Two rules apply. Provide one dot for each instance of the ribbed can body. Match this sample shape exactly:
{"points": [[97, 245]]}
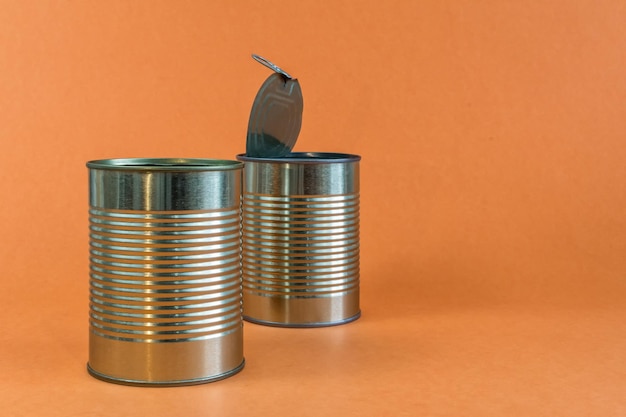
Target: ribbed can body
{"points": [[165, 270], [300, 217]]}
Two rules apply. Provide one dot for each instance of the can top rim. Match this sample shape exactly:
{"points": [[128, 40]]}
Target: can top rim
{"points": [[164, 164], [304, 158]]}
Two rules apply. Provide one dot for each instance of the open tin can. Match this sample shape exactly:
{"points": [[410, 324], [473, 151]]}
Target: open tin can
{"points": [[165, 270], [300, 216]]}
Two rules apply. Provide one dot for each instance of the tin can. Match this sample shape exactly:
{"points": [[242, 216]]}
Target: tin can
{"points": [[165, 269], [300, 217]]}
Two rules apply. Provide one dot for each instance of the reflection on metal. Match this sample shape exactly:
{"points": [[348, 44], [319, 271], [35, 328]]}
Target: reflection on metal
{"points": [[301, 239], [165, 287]]}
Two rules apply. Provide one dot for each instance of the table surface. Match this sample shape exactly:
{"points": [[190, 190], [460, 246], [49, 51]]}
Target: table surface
{"points": [[399, 358]]}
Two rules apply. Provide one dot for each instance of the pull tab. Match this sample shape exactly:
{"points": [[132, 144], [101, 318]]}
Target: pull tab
{"points": [[271, 66]]}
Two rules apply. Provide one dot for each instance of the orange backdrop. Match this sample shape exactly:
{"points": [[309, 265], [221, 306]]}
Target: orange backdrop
{"points": [[493, 194]]}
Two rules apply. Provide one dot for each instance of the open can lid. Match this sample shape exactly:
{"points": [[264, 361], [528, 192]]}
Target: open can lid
{"points": [[276, 115]]}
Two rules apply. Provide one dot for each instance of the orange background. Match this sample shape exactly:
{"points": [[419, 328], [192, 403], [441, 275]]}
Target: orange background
{"points": [[493, 195]]}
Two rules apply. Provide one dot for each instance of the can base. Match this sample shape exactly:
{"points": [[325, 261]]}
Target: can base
{"points": [[136, 383], [300, 311], [302, 325]]}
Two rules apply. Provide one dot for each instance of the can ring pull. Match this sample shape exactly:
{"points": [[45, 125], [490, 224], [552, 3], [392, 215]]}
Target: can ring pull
{"points": [[271, 66]]}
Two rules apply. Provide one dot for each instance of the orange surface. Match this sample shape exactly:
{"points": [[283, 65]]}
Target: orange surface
{"points": [[493, 196]]}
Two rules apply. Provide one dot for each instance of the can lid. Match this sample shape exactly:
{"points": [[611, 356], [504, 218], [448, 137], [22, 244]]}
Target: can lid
{"points": [[164, 164], [276, 115]]}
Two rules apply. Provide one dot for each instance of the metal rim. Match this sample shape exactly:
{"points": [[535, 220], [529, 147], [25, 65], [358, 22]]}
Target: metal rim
{"points": [[305, 157], [164, 164], [184, 382], [302, 325]]}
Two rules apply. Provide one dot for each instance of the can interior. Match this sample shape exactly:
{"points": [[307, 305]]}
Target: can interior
{"points": [[303, 157]]}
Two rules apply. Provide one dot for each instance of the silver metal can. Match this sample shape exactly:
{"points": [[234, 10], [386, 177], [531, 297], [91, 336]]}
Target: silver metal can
{"points": [[300, 217], [165, 268]]}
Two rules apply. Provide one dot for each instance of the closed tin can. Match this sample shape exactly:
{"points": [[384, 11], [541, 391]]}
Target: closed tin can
{"points": [[165, 269], [300, 217]]}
